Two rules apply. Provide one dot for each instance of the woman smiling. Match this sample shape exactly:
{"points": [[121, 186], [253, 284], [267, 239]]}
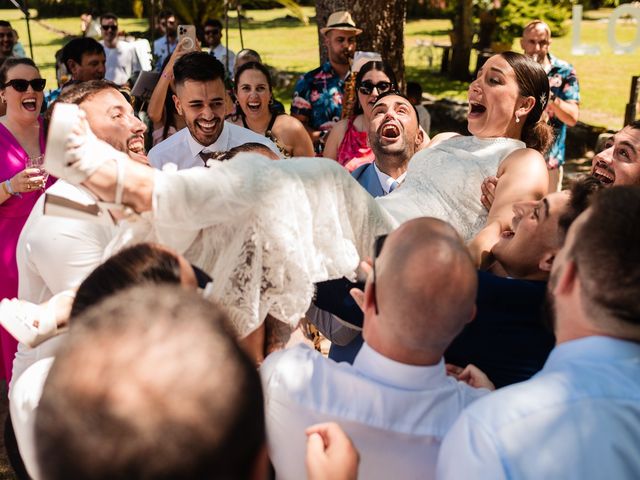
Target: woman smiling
{"points": [[21, 143]]}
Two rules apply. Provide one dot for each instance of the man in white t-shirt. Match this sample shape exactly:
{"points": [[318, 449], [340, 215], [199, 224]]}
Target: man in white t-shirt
{"points": [[212, 39], [122, 59], [56, 253], [200, 99]]}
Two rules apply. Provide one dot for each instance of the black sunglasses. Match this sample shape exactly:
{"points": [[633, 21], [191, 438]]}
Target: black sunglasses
{"points": [[367, 87], [377, 248], [21, 85], [113, 28], [211, 32]]}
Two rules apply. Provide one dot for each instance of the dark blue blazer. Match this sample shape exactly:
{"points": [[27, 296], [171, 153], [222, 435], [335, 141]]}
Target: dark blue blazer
{"points": [[366, 176]]}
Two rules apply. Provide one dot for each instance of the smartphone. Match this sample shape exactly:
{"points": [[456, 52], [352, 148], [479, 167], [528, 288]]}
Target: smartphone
{"points": [[188, 32]]}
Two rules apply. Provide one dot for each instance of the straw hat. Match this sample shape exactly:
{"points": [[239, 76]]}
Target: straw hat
{"points": [[341, 20]]}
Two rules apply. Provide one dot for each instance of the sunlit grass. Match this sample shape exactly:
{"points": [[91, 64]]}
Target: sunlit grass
{"points": [[288, 45]]}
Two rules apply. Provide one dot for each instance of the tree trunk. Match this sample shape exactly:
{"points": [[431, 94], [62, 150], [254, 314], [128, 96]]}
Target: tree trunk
{"points": [[462, 40], [382, 24]]}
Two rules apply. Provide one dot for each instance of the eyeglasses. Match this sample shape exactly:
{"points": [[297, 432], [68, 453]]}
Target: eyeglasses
{"points": [[212, 32], [6, 34], [113, 28], [21, 85], [367, 87], [377, 248]]}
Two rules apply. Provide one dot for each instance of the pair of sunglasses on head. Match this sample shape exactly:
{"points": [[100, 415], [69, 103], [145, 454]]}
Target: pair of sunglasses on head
{"points": [[367, 87], [21, 85]]}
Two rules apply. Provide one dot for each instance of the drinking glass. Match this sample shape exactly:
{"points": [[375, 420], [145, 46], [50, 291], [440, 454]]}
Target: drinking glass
{"points": [[38, 162]]}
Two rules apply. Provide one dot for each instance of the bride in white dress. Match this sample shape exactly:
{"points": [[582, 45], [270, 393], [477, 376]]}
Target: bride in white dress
{"points": [[267, 231]]}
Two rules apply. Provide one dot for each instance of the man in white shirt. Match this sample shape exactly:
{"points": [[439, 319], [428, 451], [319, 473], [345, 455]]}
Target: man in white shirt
{"points": [[122, 59], [212, 39], [56, 253], [396, 401], [200, 99], [578, 417]]}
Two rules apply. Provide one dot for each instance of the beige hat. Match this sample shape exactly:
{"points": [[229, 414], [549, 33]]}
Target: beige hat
{"points": [[340, 20]]}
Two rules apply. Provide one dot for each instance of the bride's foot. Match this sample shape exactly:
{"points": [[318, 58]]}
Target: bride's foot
{"points": [[74, 153]]}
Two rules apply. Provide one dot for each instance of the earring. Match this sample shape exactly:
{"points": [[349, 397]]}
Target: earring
{"points": [[517, 118], [271, 101]]}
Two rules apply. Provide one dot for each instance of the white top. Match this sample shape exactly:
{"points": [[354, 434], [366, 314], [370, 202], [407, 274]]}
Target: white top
{"points": [[221, 53], [183, 151], [386, 181], [444, 182], [24, 399], [576, 419], [396, 414], [122, 62]]}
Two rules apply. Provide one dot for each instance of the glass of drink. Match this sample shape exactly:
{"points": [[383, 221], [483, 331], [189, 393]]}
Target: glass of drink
{"points": [[38, 162]]}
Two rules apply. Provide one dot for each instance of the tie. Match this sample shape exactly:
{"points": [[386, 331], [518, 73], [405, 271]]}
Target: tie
{"points": [[206, 156], [393, 186]]}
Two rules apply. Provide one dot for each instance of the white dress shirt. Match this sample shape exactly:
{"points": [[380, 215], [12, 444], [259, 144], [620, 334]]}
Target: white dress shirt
{"points": [[221, 53], [183, 151], [578, 418], [396, 414], [122, 62], [386, 181]]}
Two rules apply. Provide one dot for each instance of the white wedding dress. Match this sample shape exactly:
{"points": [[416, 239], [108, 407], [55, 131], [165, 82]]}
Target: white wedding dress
{"points": [[267, 231]]}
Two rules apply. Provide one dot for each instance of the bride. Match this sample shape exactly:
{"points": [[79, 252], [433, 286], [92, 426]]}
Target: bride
{"points": [[267, 231]]}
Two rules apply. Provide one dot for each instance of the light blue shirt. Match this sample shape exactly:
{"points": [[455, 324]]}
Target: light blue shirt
{"points": [[578, 418], [396, 414]]}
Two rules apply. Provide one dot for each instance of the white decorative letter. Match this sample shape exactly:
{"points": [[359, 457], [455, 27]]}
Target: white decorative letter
{"points": [[576, 47], [621, 11]]}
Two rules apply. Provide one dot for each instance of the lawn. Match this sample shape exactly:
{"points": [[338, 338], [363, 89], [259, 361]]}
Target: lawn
{"points": [[290, 46]]}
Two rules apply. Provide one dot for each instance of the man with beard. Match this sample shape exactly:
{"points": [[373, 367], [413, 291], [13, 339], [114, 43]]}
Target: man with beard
{"points": [[577, 418], [200, 99], [55, 253], [317, 98]]}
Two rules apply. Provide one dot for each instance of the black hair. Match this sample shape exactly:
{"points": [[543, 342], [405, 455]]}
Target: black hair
{"points": [[76, 48], [414, 89], [198, 66], [398, 94], [4, 23], [252, 66], [109, 16], [366, 68], [213, 23]]}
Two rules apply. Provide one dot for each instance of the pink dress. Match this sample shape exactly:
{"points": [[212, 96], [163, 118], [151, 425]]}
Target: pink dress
{"points": [[354, 150], [13, 214]]}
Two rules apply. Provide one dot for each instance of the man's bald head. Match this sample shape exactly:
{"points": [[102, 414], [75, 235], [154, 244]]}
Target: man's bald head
{"points": [[425, 291]]}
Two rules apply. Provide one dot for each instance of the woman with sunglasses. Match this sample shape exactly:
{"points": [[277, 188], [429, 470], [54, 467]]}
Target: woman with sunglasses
{"points": [[254, 96], [347, 143], [21, 138]]}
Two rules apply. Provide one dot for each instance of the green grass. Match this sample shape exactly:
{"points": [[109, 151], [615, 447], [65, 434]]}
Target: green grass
{"points": [[288, 45]]}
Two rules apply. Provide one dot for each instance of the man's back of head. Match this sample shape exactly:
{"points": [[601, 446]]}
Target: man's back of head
{"points": [[425, 289], [151, 384], [604, 246]]}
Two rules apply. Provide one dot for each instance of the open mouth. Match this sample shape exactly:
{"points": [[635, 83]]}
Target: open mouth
{"points": [[476, 108], [136, 144], [390, 131], [508, 234], [253, 106], [207, 126], [29, 104], [602, 172]]}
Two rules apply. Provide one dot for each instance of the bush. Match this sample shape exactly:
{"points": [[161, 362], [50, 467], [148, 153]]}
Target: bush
{"points": [[515, 14], [73, 8]]}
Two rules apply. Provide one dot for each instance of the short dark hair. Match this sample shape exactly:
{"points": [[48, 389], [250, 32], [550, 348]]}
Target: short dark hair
{"points": [[248, 147], [151, 384], [5, 24], [606, 252], [138, 264], [213, 22], [581, 191], [414, 89], [198, 66], [108, 16], [11, 62], [76, 48], [166, 14], [398, 94], [635, 125], [252, 66]]}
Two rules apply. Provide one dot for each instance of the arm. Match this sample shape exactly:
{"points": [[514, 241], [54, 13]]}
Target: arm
{"points": [[302, 146], [566, 111], [155, 109], [19, 184], [334, 139], [522, 176]]}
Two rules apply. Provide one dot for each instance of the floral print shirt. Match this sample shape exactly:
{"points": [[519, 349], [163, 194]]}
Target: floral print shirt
{"points": [[318, 97], [563, 83]]}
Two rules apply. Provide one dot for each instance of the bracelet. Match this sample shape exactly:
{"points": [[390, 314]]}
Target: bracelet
{"points": [[168, 76], [8, 189]]}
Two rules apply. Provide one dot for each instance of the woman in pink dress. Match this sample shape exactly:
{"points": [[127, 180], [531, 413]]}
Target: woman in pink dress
{"points": [[347, 143], [21, 138]]}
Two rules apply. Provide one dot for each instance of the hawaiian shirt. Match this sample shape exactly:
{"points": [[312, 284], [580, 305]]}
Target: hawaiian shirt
{"points": [[318, 97], [563, 83]]}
